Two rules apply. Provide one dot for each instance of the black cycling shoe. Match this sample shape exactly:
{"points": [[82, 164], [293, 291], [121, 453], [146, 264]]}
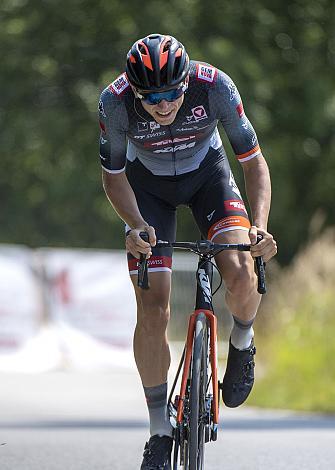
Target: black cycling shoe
{"points": [[239, 377], [157, 453]]}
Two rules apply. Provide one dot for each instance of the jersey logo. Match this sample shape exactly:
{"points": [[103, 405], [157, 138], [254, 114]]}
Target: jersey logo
{"points": [[198, 113], [145, 126], [142, 126], [171, 141], [154, 125], [206, 73], [234, 205], [210, 216], [119, 85], [175, 148], [102, 126], [232, 91], [233, 185], [101, 109], [240, 110]]}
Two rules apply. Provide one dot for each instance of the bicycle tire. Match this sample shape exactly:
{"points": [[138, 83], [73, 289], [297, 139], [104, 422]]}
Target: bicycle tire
{"points": [[198, 387], [176, 449]]}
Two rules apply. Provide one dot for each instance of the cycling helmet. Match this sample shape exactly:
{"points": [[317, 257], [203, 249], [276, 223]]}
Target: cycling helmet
{"points": [[157, 63]]}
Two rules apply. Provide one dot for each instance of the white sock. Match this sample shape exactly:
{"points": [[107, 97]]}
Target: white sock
{"points": [[242, 333], [158, 413]]}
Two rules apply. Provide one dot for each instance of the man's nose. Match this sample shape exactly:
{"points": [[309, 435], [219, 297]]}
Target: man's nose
{"points": [[163, 105]]}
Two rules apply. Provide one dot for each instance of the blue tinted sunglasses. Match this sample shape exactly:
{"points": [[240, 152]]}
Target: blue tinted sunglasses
{"points": [[170, 95]]}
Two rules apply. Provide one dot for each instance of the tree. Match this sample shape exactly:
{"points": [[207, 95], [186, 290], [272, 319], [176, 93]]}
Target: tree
{"points": [[57, 56]]}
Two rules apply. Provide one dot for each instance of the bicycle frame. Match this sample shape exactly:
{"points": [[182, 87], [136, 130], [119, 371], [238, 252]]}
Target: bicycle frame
{"points": [[203, 312], [203, 305]]}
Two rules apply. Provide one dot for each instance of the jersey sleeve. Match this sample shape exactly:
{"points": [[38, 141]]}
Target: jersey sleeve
{"points": [[228, 105], [113, 123]]}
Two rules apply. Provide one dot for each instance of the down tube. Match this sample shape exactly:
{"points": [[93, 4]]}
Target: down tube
{"points": [[204, 302], [204, 285]]}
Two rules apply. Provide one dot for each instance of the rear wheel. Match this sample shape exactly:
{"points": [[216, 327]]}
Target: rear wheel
{"points": [[176, 449], [198, 386]]}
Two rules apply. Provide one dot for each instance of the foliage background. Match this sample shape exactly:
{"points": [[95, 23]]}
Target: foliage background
{"points": [[57, 56]]}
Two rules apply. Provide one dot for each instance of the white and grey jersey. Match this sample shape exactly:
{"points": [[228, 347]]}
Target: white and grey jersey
{"points": [[129, 132]]}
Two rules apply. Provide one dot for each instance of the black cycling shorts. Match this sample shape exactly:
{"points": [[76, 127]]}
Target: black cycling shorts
{"points": [[210, 192]]}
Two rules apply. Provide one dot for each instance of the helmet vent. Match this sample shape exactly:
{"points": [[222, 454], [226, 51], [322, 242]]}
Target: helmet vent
{"points": [[167, 46]]}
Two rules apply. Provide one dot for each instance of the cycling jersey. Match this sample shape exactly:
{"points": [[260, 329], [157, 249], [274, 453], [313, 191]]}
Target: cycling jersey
{"points": [[129, 132], [210, 191], [183, 163]]}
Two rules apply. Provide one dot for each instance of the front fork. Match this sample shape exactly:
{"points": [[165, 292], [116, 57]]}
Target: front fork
{"points": [[179, 410]]}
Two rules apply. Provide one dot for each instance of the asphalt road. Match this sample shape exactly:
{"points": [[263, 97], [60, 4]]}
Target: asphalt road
{"points": [[98, 421]]}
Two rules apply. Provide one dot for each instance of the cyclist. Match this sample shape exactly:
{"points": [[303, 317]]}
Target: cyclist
{"points": [[160, 148]]}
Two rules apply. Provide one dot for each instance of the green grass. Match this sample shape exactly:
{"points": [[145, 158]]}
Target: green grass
{"points": [[296, 352]]}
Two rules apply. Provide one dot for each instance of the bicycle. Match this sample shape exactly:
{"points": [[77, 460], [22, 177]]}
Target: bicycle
{"points": [[194, 413]]}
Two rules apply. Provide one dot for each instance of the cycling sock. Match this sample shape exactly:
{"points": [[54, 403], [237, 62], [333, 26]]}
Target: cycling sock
{"points": [[158, 413], [242, 333]]}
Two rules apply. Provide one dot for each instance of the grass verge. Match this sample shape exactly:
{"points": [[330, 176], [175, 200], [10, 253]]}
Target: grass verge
{"points": [[296, 350]]}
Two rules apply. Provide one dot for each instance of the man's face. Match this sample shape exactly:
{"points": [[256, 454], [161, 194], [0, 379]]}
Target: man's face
{"points": [[164, 112]]}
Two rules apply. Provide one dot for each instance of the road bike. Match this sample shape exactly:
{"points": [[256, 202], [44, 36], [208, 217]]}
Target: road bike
{"points": [[194, 412]]}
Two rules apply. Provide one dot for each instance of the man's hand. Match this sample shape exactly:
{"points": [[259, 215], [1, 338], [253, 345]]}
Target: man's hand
{"points": [[267, 247], [135, 245]]}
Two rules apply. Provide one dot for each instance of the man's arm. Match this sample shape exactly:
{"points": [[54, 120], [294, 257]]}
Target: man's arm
{"points": [[228, 107], [258, 189], [122, 198], [114, 124]]}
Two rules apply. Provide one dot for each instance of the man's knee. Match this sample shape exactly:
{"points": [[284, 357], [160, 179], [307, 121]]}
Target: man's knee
{"points": [[241, 279], [153, 309], [153, 312]]}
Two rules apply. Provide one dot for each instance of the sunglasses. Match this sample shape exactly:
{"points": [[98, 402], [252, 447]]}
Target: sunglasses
{"points": [[156, 98]]}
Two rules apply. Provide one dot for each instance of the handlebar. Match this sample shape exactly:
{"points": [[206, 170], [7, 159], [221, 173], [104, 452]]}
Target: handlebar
{"points": [[204, 248], [142, 277], [260, 268]]}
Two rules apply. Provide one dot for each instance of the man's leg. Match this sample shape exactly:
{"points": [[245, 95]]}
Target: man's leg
{"points": [[151, 349], [152, 356], [242, 298]]}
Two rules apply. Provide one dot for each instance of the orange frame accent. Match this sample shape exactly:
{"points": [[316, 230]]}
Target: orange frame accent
{"points": [[213, 360]]}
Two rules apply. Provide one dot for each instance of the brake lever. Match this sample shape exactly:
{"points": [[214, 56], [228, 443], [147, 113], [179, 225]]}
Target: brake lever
{"points": [[260, 267], [142, 276]]}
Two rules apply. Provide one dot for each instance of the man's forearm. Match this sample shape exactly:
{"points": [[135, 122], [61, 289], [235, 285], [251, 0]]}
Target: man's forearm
{"points": [[122, 198], [258, 188]]}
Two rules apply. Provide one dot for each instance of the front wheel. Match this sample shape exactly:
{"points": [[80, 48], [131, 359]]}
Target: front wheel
{"points": [[198, 386]]}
